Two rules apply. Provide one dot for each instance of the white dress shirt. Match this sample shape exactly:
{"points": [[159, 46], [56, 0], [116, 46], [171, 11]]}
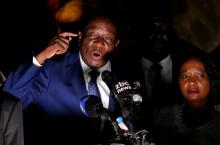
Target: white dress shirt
{"points": [[103, 88]]}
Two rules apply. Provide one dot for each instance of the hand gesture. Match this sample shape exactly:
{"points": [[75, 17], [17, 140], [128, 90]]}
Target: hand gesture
{"points": [[57, 46]]}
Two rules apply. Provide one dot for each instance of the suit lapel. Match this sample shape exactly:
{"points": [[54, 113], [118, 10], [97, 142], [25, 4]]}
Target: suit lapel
{"points": [[75, 73]]}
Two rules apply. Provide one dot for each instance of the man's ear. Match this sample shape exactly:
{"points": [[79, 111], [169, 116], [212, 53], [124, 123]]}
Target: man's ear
{"points": [[80, 35], [80, 38]]}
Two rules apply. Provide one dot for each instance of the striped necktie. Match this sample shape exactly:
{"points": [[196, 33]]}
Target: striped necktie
{"points": [[92, 86]]}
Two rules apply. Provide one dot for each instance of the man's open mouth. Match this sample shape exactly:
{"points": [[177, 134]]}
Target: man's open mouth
{"points": [[96, 54]]}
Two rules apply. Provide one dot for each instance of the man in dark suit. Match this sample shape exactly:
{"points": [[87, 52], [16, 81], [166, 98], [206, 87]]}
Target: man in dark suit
{"points": [[11, 118], [56, 79], [11, 121], [156, 48]]}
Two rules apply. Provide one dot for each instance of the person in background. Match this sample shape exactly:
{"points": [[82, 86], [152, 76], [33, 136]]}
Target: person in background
{"points": [[196, 120], [159, 49], [11, 118]]}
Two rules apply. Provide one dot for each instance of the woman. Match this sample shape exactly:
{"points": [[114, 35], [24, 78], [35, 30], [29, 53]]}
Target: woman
{"points": [[196, 120]]}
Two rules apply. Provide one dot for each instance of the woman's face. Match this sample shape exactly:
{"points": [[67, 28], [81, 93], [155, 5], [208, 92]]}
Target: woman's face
{"points": [[194, 83]]}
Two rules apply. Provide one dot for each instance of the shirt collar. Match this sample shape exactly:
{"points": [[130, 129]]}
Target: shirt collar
{"points": [[163, 62]]}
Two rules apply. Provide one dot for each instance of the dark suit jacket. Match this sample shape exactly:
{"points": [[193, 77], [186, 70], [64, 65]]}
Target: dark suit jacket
{"points": [[11, 121]]}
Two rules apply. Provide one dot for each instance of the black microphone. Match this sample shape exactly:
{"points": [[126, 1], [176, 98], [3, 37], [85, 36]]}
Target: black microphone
{"points": [[108, 79], [119, 112], [124, 93], [122, 88], [130, 100], [92, 107], [128, 91]]}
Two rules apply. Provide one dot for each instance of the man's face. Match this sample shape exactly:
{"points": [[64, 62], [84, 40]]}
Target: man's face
{"points": [[158, 35], [98, 42]]}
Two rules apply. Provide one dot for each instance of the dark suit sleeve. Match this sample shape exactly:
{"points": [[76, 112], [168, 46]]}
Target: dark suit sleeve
{"points": [[11, 122], [26, 83]]}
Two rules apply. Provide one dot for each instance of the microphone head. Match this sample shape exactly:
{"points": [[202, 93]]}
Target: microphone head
{"points": [[107, 78], [91, 106], [137, 98]]}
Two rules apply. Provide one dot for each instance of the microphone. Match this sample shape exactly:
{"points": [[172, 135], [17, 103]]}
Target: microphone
{"points": [[125, 94], [136, 97], [92, 107], [129, 98], [128, 91], [122, 88], [108, 79]]}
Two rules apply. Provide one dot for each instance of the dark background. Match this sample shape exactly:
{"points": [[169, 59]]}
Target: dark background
{"points": [[27, 24]]}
